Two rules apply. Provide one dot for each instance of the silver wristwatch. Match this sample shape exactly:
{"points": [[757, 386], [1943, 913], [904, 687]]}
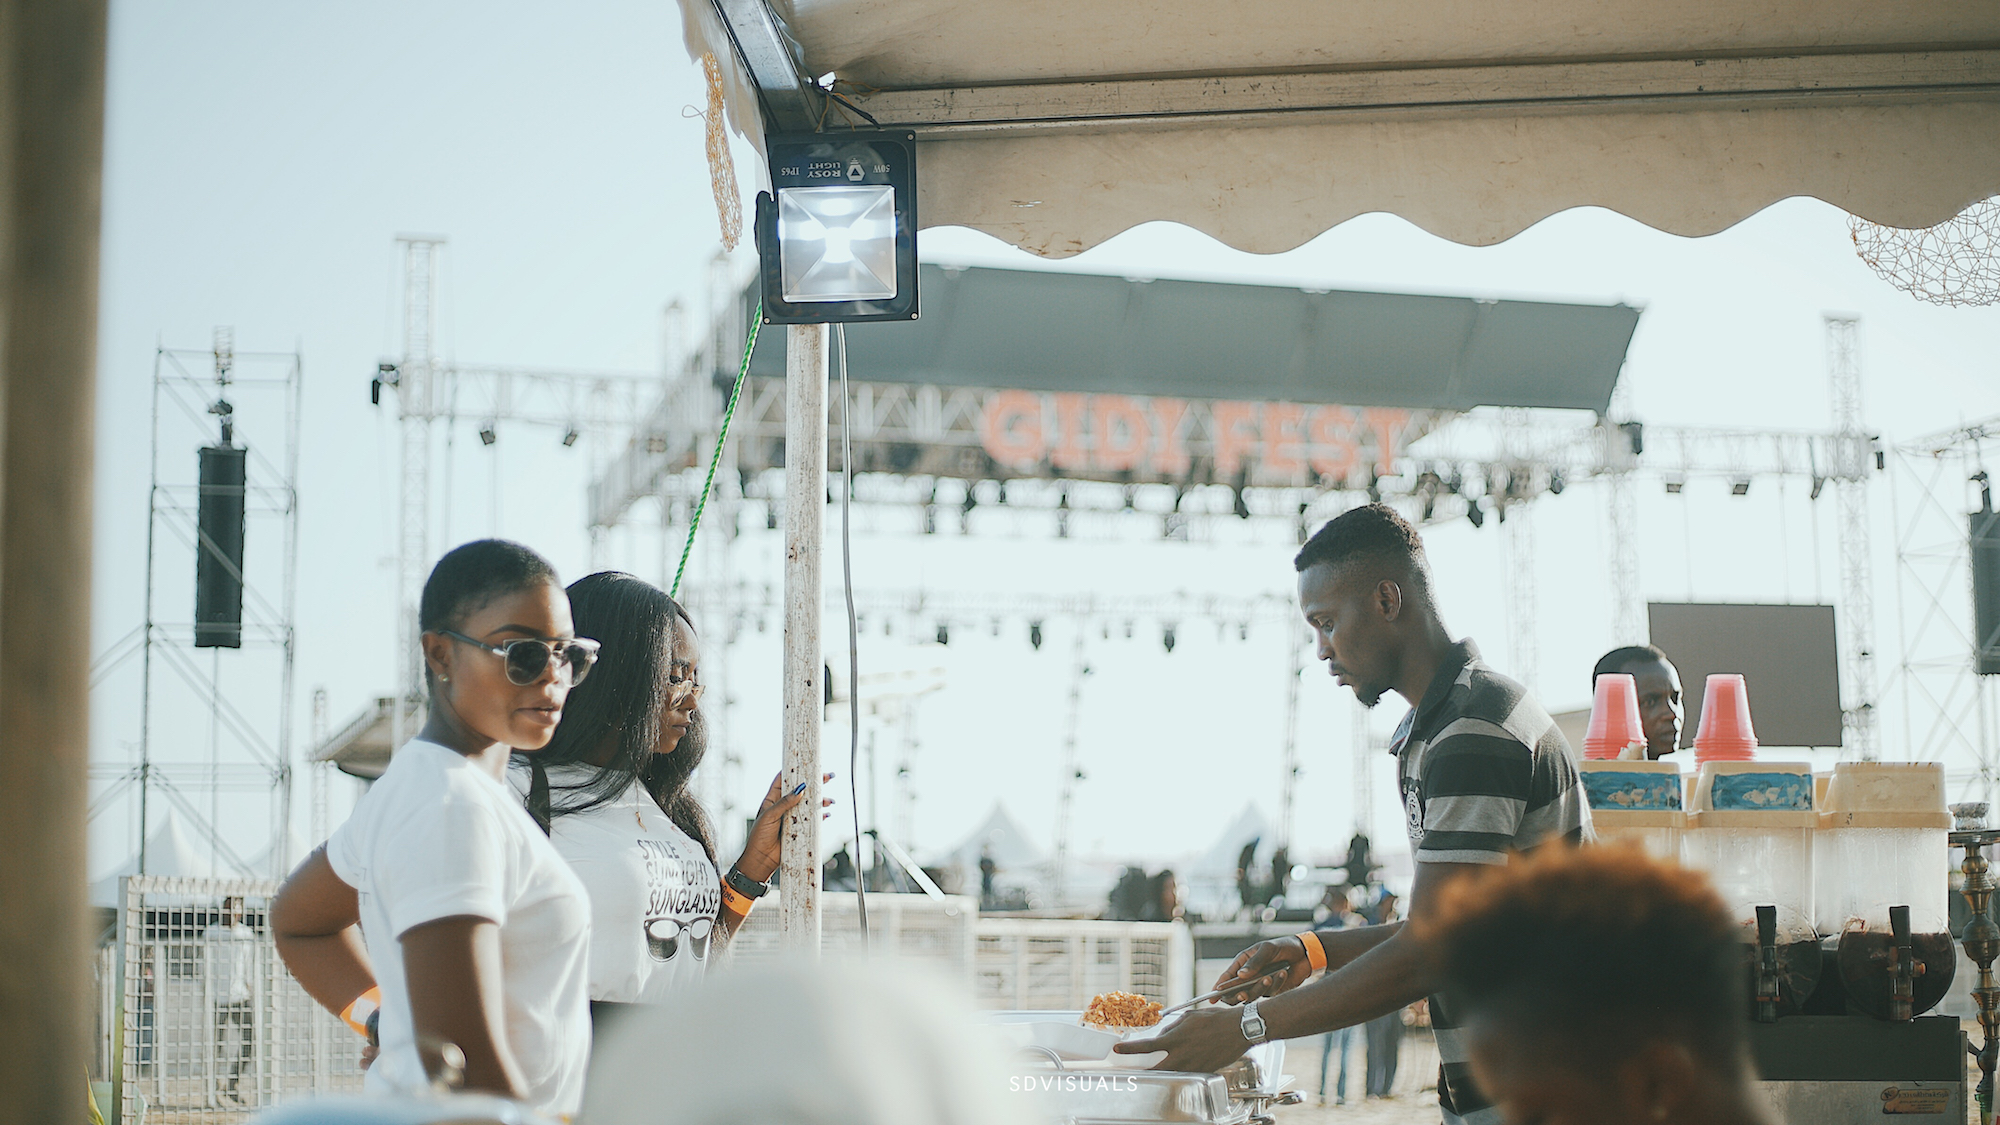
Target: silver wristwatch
{"points": [[1253, 1024]]}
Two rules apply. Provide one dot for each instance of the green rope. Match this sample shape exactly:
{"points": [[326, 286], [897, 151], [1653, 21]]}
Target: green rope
{"points": [[728, 412]]}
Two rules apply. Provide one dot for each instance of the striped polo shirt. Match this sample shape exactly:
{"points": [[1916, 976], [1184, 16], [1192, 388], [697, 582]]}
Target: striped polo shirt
{"points": [[1483, 772]]}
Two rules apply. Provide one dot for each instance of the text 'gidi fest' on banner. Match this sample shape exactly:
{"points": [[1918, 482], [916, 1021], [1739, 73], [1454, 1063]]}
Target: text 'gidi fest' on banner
{"points": [[1266, 443]]}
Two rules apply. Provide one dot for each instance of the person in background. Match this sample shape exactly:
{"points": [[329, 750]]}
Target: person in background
{"points": [[1659, 686], [229, 971], [838, 873], [611, 791], [1484, 774], [1384, 1034], [1538, 958], [1163, 897], [439, 886], [987, 870], [1341, 916]]}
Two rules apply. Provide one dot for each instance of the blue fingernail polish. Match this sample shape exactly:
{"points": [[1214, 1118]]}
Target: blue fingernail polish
{"points": [[800, 789]]}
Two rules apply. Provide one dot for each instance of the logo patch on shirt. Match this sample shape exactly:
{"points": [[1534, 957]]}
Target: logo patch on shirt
{"points": [[1413, 810]]}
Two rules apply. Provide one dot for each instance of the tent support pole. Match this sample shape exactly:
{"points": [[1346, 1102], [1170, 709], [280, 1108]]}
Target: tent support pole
{"points": [[52, 61], [806, 355]]}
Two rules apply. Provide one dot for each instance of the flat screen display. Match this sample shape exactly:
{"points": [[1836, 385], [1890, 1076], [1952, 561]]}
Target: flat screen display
{"points": [[1786, 654]]}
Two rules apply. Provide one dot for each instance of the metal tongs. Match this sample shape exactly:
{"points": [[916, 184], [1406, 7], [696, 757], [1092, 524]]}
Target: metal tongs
{"points": [[1267, 974]]}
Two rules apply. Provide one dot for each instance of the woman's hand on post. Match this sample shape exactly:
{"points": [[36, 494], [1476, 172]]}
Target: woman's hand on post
{"points": [[760, 849], [1261, 958]]}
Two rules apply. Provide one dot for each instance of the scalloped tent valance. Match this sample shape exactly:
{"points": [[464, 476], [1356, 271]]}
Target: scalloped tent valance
{"points": [[1056, 124]]}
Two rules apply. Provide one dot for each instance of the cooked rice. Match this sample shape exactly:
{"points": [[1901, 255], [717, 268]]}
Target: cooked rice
{"points": [[1121, 1009]]}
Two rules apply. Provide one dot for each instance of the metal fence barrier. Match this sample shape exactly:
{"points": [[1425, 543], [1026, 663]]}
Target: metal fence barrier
{"points": [[1009, 963], [204, 1025], [1060, 963], [936, 932], [208, 1025]]}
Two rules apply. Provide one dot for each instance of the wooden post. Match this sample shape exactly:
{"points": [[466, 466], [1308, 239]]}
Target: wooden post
{"points": [[805, 528], [51, 164]]}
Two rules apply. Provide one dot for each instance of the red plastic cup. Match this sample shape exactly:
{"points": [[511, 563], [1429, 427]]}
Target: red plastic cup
{"points": [[1725, 734], [1614, 717]]}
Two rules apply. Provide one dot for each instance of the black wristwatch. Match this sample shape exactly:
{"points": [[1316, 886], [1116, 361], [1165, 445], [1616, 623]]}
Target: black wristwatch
{"points": [[744, 885]]}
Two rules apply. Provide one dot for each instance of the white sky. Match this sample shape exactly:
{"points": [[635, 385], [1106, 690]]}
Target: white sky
{"points": [[261, 159]]}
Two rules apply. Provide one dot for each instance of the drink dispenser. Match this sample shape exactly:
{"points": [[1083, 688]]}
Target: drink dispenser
{"points": [[1883, 879], [1751, 830], [1636, 803]]}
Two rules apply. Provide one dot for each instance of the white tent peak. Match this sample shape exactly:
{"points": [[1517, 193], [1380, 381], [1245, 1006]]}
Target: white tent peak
{"points": [[169, 851], [1250, 824], [1003, 838]]}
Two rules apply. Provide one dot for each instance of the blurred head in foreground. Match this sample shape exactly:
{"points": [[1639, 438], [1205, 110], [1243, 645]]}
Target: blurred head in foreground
{"points": [[831, 1044], [1599, 986]]}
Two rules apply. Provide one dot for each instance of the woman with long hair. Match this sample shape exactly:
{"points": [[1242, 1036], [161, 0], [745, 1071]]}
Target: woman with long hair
{"points": [[438, 906], [611, 790]]}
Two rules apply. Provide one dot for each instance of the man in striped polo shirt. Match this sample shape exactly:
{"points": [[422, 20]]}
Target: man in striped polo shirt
{"points": [[1483, 772]]}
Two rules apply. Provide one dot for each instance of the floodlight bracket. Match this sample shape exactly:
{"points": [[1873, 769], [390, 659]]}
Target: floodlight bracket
{"points": [[790, 101]]}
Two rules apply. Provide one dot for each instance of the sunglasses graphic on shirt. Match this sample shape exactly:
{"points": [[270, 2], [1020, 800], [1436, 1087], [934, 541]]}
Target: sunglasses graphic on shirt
{"points": [[664, 937]]}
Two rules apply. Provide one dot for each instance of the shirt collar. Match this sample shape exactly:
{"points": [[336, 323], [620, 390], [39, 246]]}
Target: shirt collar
{"points": [[1457, 658]]}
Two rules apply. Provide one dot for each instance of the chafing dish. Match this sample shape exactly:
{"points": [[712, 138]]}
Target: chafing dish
{"points": [[1069, 1087]]}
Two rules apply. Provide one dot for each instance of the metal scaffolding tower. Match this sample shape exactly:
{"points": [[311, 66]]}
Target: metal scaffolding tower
{"points": [[1948, 708], [193, 742], [412, 379], [1072, 773], [577, 404], [1854, 450]]}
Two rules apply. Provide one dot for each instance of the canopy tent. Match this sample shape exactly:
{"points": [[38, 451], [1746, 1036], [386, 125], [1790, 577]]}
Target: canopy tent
{"points": [[1056, 124], [1226, 340], [169, 852], [999, 836]]}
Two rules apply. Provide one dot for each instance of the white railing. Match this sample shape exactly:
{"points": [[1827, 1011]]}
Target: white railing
{"points": [[1060, 963]]}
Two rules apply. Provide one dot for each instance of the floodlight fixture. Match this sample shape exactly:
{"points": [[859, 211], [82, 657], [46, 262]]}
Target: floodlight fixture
{"points": [[1675, 483], [487, 434], [569, 437], [1740, 486], [837, 233], [1475, 513], [1035, 635], [1557, 482]]}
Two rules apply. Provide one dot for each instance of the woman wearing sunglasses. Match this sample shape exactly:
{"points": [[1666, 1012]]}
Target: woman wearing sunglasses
{"points": [[439, 905], [611, 789]]}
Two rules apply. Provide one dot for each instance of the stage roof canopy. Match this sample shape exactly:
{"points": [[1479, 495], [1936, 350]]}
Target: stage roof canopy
{"points": [[1055, 124], [1048, 331]]}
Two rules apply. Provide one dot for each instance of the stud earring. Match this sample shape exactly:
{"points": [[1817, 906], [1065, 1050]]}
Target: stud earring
{"points": [[443, 679]]}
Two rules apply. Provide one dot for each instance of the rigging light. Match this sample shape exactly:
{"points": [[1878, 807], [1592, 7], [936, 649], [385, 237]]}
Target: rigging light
{"points": [[569, 437], [487, 434], [836, 235], [1675, 483], [1740, 486]]}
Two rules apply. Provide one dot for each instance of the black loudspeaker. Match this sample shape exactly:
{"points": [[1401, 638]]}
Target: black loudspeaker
{"points": [[1986, 592], [218, 564]]}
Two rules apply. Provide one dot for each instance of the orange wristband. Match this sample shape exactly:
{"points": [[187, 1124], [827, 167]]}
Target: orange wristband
{"points": [[737, 903], [1315, 952], [356, 1014]]}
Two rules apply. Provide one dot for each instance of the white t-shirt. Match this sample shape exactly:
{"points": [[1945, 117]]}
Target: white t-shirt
{"points": [[438, 837], [653, 893], [231, 962]]}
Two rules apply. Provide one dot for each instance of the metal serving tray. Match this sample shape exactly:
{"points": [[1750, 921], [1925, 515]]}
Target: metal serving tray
{"points": [[1128, 1097]]}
